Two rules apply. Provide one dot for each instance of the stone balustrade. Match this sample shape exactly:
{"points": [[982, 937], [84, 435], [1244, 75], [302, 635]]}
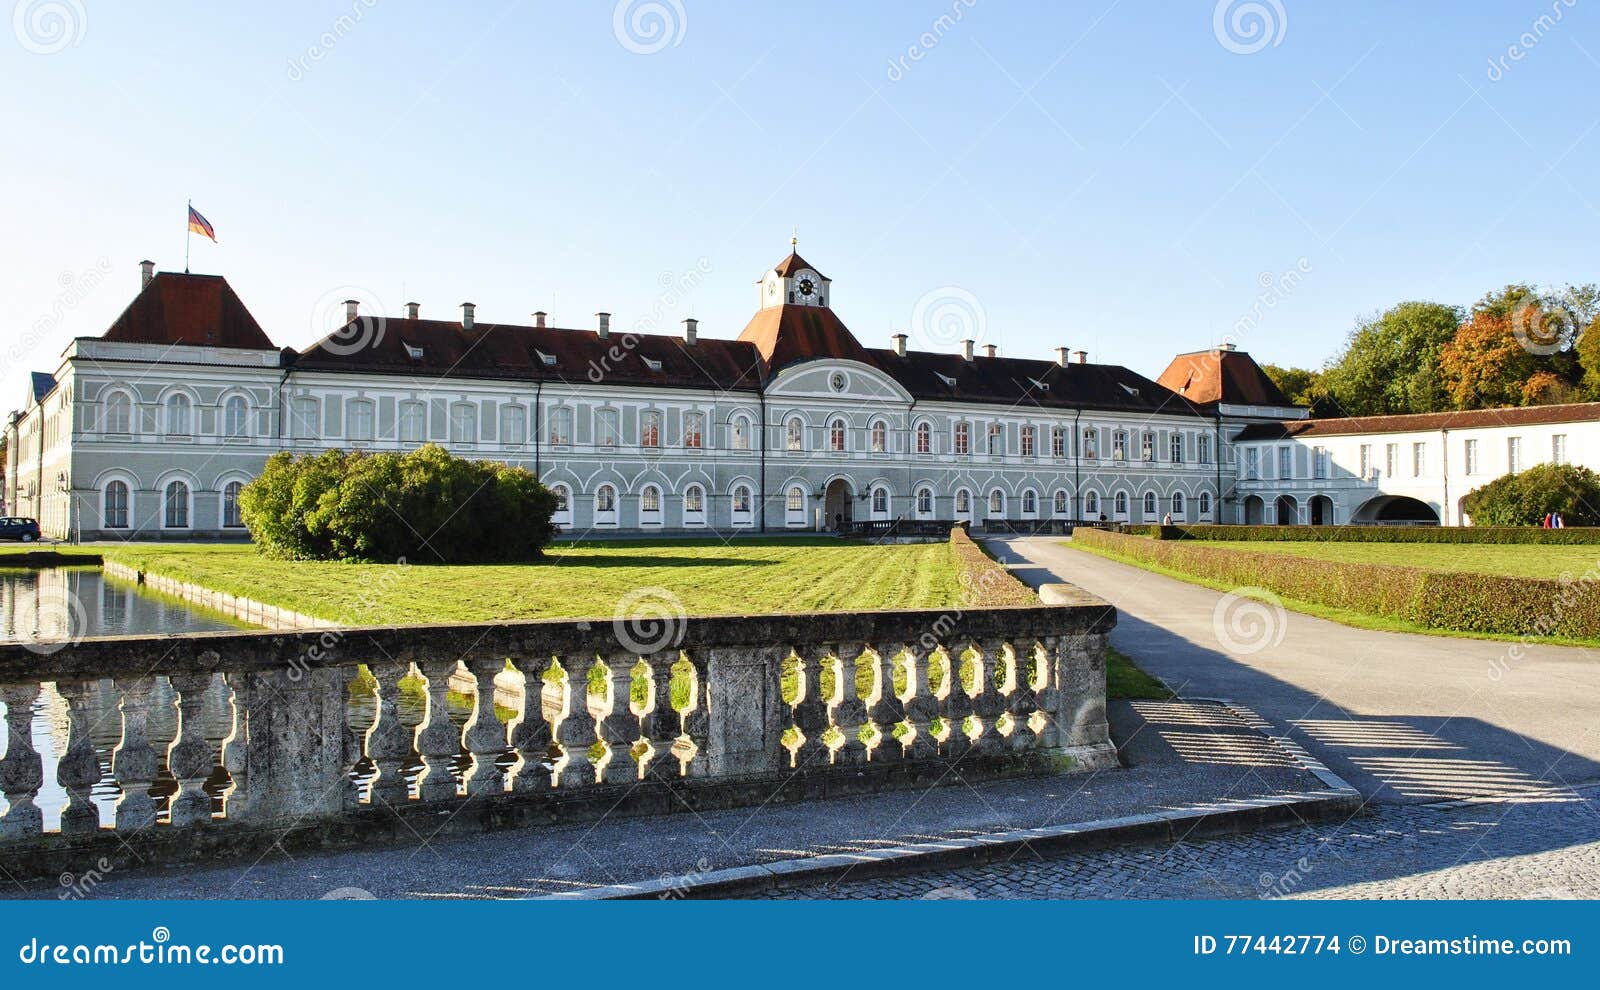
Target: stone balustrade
{"points": [[171, 749]]}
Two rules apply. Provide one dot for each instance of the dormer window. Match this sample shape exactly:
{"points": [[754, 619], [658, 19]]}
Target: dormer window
{"points": [[1041, 386], [651, 363], [948, 381], [549, 360], [414, 352]]}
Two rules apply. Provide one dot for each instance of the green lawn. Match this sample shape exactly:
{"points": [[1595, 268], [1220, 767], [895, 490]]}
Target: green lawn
{"points": [[1513, 560], [1125, 680], [578, 580]]}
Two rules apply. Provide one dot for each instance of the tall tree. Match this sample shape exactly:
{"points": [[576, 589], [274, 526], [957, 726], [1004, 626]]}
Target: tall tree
{"points": [[1587, 350], [1390, 364], [1515, 350]]}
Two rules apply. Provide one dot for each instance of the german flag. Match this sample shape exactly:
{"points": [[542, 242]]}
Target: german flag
{"points": [[200, 225]]}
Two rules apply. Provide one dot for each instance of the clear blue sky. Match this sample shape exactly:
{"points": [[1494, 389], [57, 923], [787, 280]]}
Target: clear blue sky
{"points": [[1108, 176]]}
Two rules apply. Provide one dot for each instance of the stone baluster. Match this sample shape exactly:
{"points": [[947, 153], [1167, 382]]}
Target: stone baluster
{"points": [[22, 771], [486, 734], [618, 726], [989, 703], [236, 749], [811, 708], [696, 719], [190, 756], [887, 710], [135, 761], [1023, 701], [921, 707], [849, 714], [662, 725], [576, 731], [78, 770], [531, 735], [389, 741], [438, 740], [1048, 692], [958, 703]]}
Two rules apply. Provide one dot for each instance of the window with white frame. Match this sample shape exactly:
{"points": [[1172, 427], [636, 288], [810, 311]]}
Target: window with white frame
{"points": [[360, 419], [1391, 460], [1119, 445], [650, 504], [1205, 503], [608, 427], [997, 502], [741, 433], [694, 501], [1558, 448], [694, 430], [561, 425], [1058, 441], [235, 417], [1147, 446], [1513, 454], [1202, 448], [114, 511], [741, 500], [836, 435], [1286, 462], [1366, 461], [963, 438], [795, 434], [1177, 505], [924, 501], [413, 422], [997, 438], [563, 496], [178, 411], [605, 501], [1060, 503], [1469, 451], [1149, 506], [1030, 503], [1319, 462], [650, 429], [119, 413], [463, 422], [1026, 440], [1252, 463], [306, 420], [175, 503], [1175, 447], [1419, 459], [880, 436], [1120, 504], [1091, 504], [924, 434], [513, 424], [796, 500], [880, 501], [963, 502], [232, 516], [1091, 442]]}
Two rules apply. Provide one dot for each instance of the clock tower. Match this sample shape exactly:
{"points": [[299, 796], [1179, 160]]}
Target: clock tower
{"points": [[794, 283]]}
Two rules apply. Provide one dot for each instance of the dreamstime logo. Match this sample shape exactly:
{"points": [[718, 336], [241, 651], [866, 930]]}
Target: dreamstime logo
{"points": [[59, 622], [947, 315], [343, 336], [75, 290], [649, 620], [1249, 620], [1245, 27], [45, 27], [646, 27], [325, 43], [1542, 327], [1275, 289], [1529, 39]]}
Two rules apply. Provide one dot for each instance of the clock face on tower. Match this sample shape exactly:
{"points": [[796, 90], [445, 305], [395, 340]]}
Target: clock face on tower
{"points": [[806, 284]]}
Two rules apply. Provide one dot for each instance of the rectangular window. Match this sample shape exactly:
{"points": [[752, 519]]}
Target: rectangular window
{"points": [[997, 438], [1091, 442], [305, 420], [1027, 441], [1419, 459], [1175, 448], [963, 438], [694, 430], [1202, 448], [360, 419], [650, 429], [1366, 461], [1147, 447], [561, 425], [608, 432], [1391, 458], [1513, 454], [1252, 463], [513, 424], [1058, 442], [1286, 462], [1319, 462], [1558, 449], [413, 425], [1470, 456], [1119, 445]]}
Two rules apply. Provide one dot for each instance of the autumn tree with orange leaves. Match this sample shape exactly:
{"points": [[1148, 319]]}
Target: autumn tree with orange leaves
{"points": [[1515, 349]]}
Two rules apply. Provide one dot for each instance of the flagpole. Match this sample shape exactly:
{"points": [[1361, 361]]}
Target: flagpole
{"points": [[188, 235]]}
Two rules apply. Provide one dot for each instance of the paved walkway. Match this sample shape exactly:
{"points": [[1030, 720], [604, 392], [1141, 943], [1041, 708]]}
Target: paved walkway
{"points": [[1403, 718]]}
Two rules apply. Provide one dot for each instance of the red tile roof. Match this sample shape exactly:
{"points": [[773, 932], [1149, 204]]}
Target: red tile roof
{"points": [[177, 308], [795, 263], [1219, 375], [788, 333], [1576, 412]]}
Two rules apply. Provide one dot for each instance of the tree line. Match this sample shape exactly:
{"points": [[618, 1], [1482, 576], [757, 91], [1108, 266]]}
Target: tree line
{"points": [[1520, 346]]}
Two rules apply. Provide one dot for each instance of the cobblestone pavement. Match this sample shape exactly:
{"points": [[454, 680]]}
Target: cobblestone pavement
{"points": [[1547, 848]]}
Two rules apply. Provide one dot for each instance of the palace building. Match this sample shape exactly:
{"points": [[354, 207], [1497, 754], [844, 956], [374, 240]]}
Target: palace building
{"points": [[150, 429]]}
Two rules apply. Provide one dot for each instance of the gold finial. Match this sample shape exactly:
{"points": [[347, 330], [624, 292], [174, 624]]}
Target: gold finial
{"points": [[794, 240]]}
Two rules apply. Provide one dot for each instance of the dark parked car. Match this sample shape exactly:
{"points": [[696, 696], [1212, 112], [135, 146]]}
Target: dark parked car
{"points": [[19, 528]]}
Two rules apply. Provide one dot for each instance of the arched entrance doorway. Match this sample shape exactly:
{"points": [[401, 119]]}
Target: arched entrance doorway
{"points": [[1254, 511], [1287, 511], [1396, 509], [838, 503], [1321, 511]]}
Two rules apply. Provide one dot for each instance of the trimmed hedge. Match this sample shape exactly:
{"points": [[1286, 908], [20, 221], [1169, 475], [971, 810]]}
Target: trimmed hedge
{"points": [[1372, 534], [1456, 601], [986, 582]]}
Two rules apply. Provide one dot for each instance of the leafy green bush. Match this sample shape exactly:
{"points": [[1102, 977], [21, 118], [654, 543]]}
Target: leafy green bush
{"points": [[1460, 601], [1372, 534], [425, 507], [1525, 498]]}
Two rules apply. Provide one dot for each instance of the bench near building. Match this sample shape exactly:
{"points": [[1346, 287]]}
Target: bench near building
{"points": [[150, 429]]}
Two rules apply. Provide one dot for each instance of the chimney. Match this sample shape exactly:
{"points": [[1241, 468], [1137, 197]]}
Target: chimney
{"points": [[1061, 356], [538, 319], [352, 309], [467, 310], [898, 342], [691, 330], [605, 325], [966, 349], [989, 350], [413, 310], [1226, 345], [1081, 357], [147, 273]]}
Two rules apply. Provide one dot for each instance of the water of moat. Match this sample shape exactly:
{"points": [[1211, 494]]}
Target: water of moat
{"points": [[51, 605]]}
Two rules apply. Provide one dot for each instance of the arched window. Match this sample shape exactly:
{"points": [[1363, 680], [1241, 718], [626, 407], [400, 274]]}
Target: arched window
{"points": [[119, 413], [741, 433], [605, 500], [880, 436], [963, 501], [1030, 502], [796, 500], [924, 434], [513, 424], [1149, 505], [305, 423], [1121, 504], [232, 517], [1177, 503], [650, 429], [836, 435], [235, 417], [795, 434], [178, 409], [115, 511], [464, 423], [997, 502], [1091, 504], [1059, 505], [176, 503], [1205, 503], [650, 505], [413, 422], [741, 500], [694, 500], [924, 501], [563, 499], [880, 500], [360, 420]]}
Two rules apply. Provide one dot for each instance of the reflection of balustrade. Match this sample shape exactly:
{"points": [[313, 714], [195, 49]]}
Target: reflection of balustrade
{"points": [[320, 736]]}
